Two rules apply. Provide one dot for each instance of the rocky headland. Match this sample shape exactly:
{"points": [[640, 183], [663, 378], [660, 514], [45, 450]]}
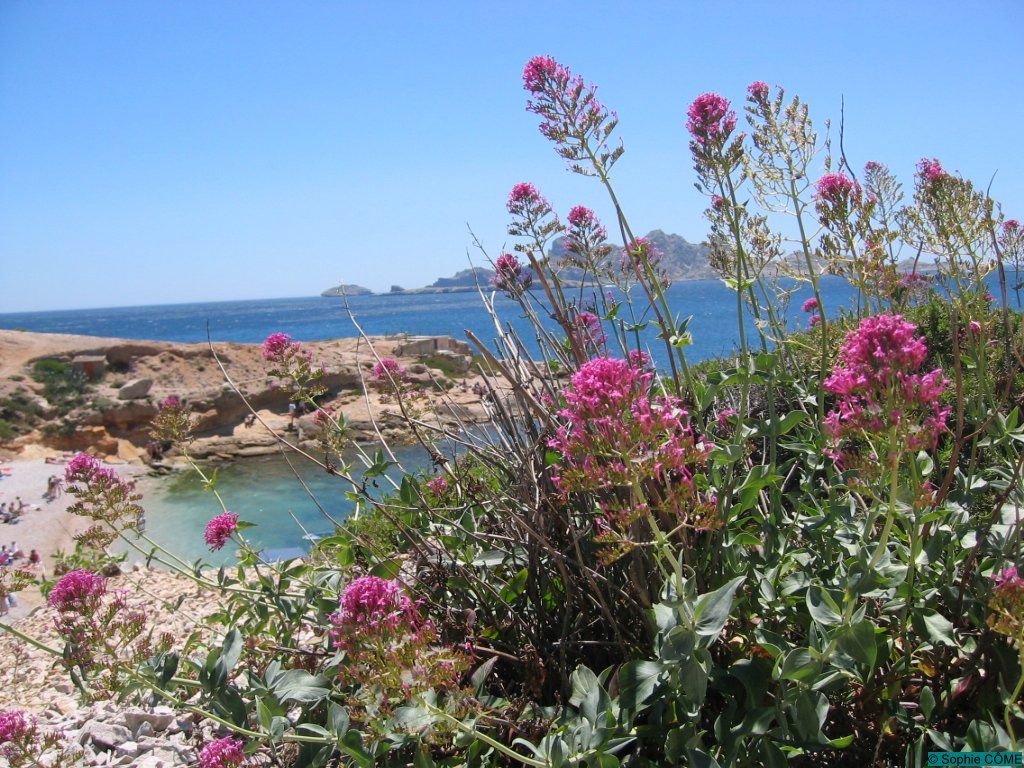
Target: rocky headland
{"points": [[240, 409]]}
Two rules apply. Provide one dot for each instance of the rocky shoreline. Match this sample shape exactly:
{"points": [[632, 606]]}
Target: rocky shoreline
{"points": [[240, 409]]}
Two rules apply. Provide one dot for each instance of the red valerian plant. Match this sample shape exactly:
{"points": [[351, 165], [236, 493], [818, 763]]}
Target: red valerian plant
{"points": [[23, 743], [881, 393], [227, 752], [219, 530], [635, 451], [102, 496], [391, 651]]}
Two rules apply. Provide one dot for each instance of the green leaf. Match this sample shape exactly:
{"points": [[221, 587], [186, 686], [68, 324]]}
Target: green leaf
{"points": [[638, 681], [858, 642], [701, 759], [337, 719], [387, 569], [711, 611], [423, 759], [231, 649], [927, 702], [822, 607], [479, 676], [934, 626], [800, 665], [300, 686], [409, 493]]}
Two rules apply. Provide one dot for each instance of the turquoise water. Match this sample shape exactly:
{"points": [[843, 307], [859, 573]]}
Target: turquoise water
{"points": [[263, 491]]}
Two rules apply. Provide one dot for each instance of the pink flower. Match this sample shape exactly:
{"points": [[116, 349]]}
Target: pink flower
{"points": [[581, 216], [724, 416], [589, 325], [438, 486], [930, 171], [609, 414], [510, 276], [388, 369], [15, 725], [523, 194], [1010, 226], [810, 305], [170, 402], [219, 530], [276, 346], [375, 603], [872, 166], [228, 752], [81, 467], [913, 279], [813, 320], [974, 326], [880, 390], [1009, 579], [540, 71], [711, 119], [758, 90], [79, 591], [836, 189]]}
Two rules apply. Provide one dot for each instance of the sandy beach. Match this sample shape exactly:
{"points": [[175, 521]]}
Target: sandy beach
{"points": [[45, 526]]}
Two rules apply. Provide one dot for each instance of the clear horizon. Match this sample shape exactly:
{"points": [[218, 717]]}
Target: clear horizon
{"points": [[190, 152]]}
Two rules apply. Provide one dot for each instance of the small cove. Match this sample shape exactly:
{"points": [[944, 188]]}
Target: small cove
{"points": [[264, 491]]}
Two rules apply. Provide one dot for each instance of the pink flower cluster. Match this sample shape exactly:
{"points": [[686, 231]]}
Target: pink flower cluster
{"points": [[589, 331], [374, 602], [387, 369], [228, 752], [836, 189], [571, 112], [541, 72], [87, 469], [524, 196], [930, 171], [510, 276], [79, 591], [810, 305], [173, 422], [880, 390], [438, 486], [219, 530], [15, 725], [277, 346], [586, 237], [638, 253], [758, 90], [102, 496], [616, 435], [388, 648], [710, 119]]}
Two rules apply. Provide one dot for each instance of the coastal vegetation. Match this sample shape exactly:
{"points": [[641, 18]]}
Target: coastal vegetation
{"points": [[803, 554]]}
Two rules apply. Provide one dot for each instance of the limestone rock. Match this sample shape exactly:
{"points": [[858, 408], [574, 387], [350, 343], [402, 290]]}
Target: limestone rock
{"points": [[136, 389]]}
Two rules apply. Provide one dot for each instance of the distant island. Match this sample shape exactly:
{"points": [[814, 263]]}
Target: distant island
{"points": [[347, 290], [680, 260]]}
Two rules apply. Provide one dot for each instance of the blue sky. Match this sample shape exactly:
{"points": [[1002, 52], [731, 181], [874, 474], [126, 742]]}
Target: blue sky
{"points": [[162, 152]]}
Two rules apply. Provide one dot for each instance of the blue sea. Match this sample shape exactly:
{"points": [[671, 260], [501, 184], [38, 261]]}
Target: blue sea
{"points": [[711, 305], [265, 491]]}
